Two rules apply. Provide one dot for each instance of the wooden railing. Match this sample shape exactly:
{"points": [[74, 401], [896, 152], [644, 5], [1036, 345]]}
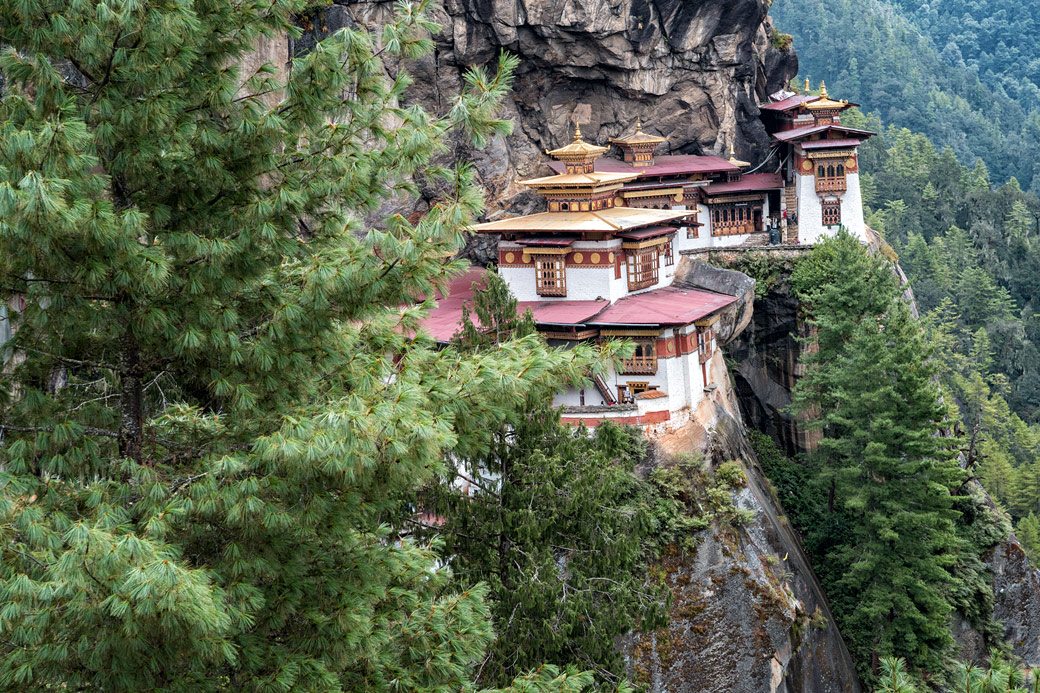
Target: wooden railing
{"points": [[644, 365], [826, 185]]}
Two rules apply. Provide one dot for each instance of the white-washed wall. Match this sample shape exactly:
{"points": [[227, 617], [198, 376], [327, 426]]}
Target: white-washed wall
{"points": [[810, 210]]}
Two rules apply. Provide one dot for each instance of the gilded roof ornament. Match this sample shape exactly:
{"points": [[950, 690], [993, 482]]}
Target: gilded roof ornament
{"points": [[734, 160], [638, 137], [807, 87], [578, 151], [825, 103]]}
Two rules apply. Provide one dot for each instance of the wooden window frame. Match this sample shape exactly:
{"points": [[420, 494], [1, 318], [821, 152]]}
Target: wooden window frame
{"points": [[627, 392], [643, 361], [830, 176], [550, 281], [831, 213], [666, 252], [704, 336], [644, 266]]}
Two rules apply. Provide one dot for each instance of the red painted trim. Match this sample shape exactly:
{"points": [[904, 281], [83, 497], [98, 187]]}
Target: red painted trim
{"points": [[650, 417]]}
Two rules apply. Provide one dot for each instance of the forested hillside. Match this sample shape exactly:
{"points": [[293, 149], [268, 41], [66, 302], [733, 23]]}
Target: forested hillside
{"points": [[959, 73], [972, 252]]}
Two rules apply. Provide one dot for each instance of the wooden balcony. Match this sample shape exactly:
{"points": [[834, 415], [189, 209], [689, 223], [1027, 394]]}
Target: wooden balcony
{"points": [[639, 365], [831, 185]]}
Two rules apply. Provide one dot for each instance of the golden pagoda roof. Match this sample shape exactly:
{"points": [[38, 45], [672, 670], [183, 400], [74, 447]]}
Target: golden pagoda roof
{"points": [[578, 151], [587, 180], [735, 161], [825, 103], [639, 137], [603, 220]]}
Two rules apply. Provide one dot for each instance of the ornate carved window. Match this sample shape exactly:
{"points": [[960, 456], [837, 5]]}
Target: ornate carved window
{"points": [[830, 177], [644, 359], [550, 275], [643, 267], [733, 219], [832, 213]]}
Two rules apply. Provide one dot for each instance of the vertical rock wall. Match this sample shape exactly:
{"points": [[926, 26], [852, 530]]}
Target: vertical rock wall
{"points": [[748, 615], [694, 70]]}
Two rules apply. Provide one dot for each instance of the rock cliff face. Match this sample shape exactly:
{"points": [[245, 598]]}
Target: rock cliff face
{"points": [[694, 70], [748, 615]]}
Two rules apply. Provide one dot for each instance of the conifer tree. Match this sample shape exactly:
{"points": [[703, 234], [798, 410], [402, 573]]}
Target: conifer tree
{"points": [[216, 403], [554, 520], [893, 479]]}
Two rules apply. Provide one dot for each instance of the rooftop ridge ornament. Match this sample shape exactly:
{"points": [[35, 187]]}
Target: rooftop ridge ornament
{"points": [[638, 148], [808, 89], [823, 89], [734, 160]]}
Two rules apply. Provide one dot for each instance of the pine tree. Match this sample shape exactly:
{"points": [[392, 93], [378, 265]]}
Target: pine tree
{"points": [[217, 402], [895, 480], [554, 520], [871, 387]]}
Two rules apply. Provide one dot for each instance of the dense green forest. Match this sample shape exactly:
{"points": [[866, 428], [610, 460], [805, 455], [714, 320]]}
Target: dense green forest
{"points": [[960, 73], [886, 512], [970, 250]]}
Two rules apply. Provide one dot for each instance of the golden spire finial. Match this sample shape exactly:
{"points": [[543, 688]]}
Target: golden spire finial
{"points": [[639, 124], [807, 87], [577, 131], [732, 153], [823, 89]]}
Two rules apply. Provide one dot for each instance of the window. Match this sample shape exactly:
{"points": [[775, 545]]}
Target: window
{"points": [[643, 361], [642, 268], [734, 218], [549, 275], [692, 232], [704, 351], [627, 392], [666, 252], [830, 177], [832, 213], [703, 342]]}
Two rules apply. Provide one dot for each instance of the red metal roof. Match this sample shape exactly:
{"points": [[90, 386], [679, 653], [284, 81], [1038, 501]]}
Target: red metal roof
{"points": [[668, 306], [651, 394], [751, 182], [665, 165], [831, 144], [648, 232], [548, 241], [445, 319], [790, 102], [798, 133], [562, 312]]}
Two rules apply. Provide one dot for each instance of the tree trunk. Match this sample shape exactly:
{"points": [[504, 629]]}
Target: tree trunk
{"points": [[131, 424]]}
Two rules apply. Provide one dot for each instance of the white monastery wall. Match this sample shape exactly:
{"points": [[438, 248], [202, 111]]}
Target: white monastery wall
{"points": [[852, 208], [810, 210]]}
